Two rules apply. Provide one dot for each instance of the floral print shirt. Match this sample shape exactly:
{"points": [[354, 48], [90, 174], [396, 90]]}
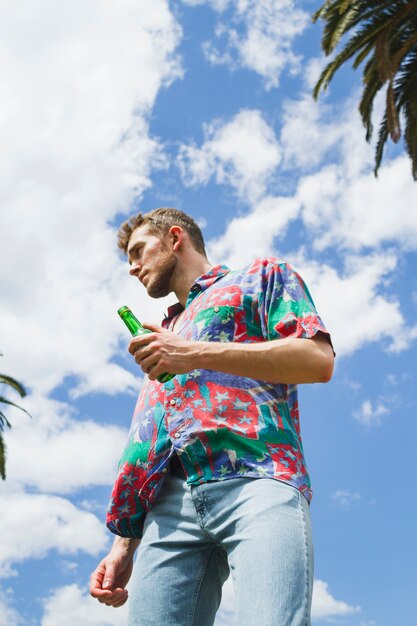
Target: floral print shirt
{"points": [[221, 426]]}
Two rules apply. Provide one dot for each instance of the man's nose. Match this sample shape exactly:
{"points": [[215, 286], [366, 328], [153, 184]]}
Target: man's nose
{"points": [[135, 268]]}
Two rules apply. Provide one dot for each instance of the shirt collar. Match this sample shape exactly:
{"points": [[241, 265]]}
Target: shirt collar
{"points": [[207, 280], [201, 284]]}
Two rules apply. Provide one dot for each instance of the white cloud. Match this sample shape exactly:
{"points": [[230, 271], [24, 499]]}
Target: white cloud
{"points": [[217, 5], [350, 304], [345, 498], [313, 130], [75, 454], [228, 155], [257, 35], [313, 67], [343, 203], [325, 606], [9, 616], [253, 234], [71, 605], [361, 212], [34, 524], [370, 414], [74, 114]]}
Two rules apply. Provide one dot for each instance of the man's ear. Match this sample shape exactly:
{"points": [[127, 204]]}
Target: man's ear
{"points": [[176, 234]]}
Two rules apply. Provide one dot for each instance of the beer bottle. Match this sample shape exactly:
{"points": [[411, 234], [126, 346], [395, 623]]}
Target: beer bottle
{"points": [[136, 329]]}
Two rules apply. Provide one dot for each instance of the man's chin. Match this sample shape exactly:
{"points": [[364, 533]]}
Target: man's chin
{"points": [[156, 291]]}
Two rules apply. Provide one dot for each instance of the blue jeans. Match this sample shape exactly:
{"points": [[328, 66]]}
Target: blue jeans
{"points": [[259, 529]]}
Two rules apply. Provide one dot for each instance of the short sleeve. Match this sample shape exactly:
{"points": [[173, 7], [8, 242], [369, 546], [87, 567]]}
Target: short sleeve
{"points": [[287, 307]]}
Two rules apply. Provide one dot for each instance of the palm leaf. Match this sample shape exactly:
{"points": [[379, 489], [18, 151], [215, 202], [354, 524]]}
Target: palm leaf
{"points": [[371, 88], [12, 382], [2, 458], [382, 39], [382, 140], [393, 120], [4, 421], [19, 388], [353, 46], [408, 89], [363, 54], [9, 402]]}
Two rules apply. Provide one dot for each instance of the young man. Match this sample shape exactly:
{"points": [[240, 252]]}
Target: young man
{"points": [[213, 477]]}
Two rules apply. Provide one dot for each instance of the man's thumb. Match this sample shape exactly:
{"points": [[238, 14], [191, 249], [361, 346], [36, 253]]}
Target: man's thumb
{"points": [[109, 579]]}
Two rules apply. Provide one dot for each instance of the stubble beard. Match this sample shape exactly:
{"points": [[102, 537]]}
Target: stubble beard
{"points": [[160, 284]]}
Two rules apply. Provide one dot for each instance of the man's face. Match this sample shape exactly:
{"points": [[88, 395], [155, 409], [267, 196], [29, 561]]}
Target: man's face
{"points": [[152, 261]]}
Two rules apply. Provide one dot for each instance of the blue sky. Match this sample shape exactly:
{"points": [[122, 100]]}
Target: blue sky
{"points": [[108, 108]]}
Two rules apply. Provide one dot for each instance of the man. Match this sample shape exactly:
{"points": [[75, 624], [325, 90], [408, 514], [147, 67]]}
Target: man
{"points": [[213, 477]]}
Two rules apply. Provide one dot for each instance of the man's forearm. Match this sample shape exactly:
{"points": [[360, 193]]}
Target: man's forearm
{"points": [[287, 361]]}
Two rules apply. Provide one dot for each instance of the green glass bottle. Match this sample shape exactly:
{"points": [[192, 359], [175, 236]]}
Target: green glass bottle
{"points": [[136, 329]]}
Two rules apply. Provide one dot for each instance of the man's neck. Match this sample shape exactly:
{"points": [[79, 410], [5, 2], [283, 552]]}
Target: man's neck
{"points": [[187, 274]]}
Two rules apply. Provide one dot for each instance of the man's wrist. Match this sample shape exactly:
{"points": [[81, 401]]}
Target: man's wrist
{"points": [[125, 544]]}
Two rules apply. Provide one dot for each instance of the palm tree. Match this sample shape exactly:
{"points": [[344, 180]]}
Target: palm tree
{"points": [[11, 382], [383, 37]]}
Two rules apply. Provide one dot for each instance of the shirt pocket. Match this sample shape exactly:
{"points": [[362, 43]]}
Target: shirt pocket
{"points": [[218, 323]]}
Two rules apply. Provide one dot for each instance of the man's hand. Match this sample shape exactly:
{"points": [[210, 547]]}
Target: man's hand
{"points": [[109, 579], [162, 351]]}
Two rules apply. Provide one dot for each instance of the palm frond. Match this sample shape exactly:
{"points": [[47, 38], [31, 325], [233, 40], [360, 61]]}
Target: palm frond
{"points": [[371, 88], [20, 389], [4, 421], [382, 140], [407, 96], [354, 45], [2, 458], [393, 119], [382, 40], [12, 382], [403, 51], [382, 56], [410, 136], [9, 402], [363, 54], [338, 23]]}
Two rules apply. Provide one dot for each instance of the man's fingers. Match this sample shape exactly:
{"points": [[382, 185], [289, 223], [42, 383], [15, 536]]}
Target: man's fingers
{"points": [[100, 594], [147, 363], [139, 342], [106, 596], [116, 598], [121, 601]]}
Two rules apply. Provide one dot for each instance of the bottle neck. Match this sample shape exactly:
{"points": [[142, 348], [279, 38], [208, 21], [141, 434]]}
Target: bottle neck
{"points": [[132, 323]]}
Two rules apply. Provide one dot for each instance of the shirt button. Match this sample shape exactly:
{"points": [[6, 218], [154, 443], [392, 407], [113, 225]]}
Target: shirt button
{"points": [[177, 435], [164, 470], [216, 309], [172, 402]]}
